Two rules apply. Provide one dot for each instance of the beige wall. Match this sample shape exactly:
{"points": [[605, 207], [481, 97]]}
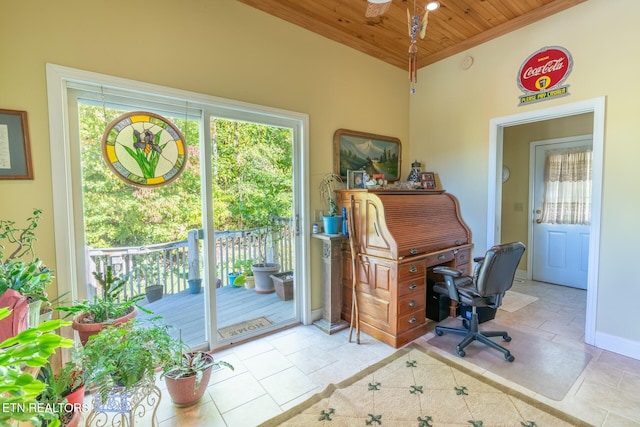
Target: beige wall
{"points": [[450, 117], [516, 149], [220, 48], [226, 49]]}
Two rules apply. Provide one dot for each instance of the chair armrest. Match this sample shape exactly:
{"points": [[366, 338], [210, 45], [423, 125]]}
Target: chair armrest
{"points": [[447, 271], [478, 259]]}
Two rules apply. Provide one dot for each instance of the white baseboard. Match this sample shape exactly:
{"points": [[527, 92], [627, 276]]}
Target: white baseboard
{"points": [[618, 345], [315, 315]]}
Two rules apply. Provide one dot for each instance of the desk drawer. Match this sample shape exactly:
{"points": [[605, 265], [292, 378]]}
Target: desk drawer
{"points": [[412, 286], [411, 302], [463, 256], [411, 320], [411, 270], [440, 258]]}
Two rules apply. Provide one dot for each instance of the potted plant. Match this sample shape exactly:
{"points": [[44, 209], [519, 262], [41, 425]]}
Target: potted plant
{"points": [[120, 358], [106, 308], [26, 277], [149, 271], [262, 275], [64, 392], [47, 307], [245, 276], [188, 377], [283, 284], [332, 222], [20, 357]]}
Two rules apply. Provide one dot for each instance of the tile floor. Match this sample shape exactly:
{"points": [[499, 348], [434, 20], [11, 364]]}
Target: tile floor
{"points": [[277, 372]]}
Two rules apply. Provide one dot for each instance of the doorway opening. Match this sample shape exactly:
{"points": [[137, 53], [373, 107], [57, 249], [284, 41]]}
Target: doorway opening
{"points": [[494, 215]]}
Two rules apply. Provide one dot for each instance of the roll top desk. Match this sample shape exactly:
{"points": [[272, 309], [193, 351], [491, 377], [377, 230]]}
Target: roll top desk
{"points": [[399, 236]]}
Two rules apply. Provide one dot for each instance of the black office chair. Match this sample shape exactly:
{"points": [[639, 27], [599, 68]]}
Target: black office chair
{"points": [[493, 276]]}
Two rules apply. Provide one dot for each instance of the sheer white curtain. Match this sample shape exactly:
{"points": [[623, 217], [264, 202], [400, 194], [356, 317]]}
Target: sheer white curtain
{"points": [[567, 187]]}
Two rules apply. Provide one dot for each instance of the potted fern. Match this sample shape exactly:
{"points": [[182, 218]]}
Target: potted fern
{"points": [[120, 358]]}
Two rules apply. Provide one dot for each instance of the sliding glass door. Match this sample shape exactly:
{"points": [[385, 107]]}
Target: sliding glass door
{"points": [[204, 237], [252, 192]]}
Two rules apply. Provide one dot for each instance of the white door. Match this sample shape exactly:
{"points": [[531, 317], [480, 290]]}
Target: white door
{"points": [[560, 251]]}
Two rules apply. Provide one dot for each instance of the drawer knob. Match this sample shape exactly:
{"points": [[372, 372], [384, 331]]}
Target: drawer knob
{"points": [[413, 251], [413, 286], [413, 268], [413, 320], [441, 256], [412, 303]]}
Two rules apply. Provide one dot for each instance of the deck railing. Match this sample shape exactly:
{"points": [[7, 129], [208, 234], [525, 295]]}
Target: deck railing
{"points": [[172, 264]]}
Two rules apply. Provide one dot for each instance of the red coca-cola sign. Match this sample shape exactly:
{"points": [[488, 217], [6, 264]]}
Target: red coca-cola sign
{"points": [[544, 70]]}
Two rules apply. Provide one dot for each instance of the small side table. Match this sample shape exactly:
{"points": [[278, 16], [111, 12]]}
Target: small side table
{"points": [[126, 405], [331, 321]]}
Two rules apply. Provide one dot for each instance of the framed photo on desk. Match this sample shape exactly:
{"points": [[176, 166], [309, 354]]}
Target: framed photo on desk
{"points": [[428, 180]]}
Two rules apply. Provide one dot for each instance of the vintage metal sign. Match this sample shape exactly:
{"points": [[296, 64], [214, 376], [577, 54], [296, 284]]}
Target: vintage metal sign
{"points": [[542, 74]]}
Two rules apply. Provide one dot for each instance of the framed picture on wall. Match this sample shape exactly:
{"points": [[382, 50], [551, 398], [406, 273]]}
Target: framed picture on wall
{"points": [[374, 154], [15, 152]]}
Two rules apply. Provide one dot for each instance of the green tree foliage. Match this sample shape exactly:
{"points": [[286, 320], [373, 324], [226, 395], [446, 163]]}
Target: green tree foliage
{"points": [[252, 173]]}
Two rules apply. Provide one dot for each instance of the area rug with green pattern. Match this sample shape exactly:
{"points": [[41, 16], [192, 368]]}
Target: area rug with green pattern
{"points": [[417, 387]]}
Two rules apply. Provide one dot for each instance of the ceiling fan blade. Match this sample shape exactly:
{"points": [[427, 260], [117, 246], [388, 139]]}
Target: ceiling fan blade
{"points": [[376, 8]]}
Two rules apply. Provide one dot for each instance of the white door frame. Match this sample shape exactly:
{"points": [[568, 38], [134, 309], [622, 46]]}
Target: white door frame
{"points": [[494, 213], [67, 242]]}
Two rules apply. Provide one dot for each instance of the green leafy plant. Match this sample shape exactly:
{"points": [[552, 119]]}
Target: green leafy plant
{"points": [[189, 364], [58, 386], [28, 277], [68, 379], [107, 305], [127, 354], [243, 268], [19, 389]]}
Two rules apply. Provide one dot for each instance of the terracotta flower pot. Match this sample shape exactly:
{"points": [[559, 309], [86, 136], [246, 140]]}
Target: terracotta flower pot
{"points": [[85, 330], [76, 397], [74, 421], [183, 391]]}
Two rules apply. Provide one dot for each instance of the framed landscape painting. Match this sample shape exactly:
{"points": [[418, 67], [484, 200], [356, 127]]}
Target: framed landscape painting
{"points": [[374, 154]]}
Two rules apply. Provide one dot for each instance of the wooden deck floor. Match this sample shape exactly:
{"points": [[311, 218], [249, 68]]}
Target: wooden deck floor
{"points": [[185, 311]]}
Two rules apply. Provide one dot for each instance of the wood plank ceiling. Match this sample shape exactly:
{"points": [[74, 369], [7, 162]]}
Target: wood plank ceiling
{"points": [[456, 26]]}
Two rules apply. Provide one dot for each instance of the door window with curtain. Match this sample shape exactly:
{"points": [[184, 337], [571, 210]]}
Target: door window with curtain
{"points": [[567, 187]]}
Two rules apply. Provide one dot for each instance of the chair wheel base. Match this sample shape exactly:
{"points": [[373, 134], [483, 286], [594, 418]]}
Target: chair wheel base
{"points": [[506, 338], [461, 353], [509, 358]]}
